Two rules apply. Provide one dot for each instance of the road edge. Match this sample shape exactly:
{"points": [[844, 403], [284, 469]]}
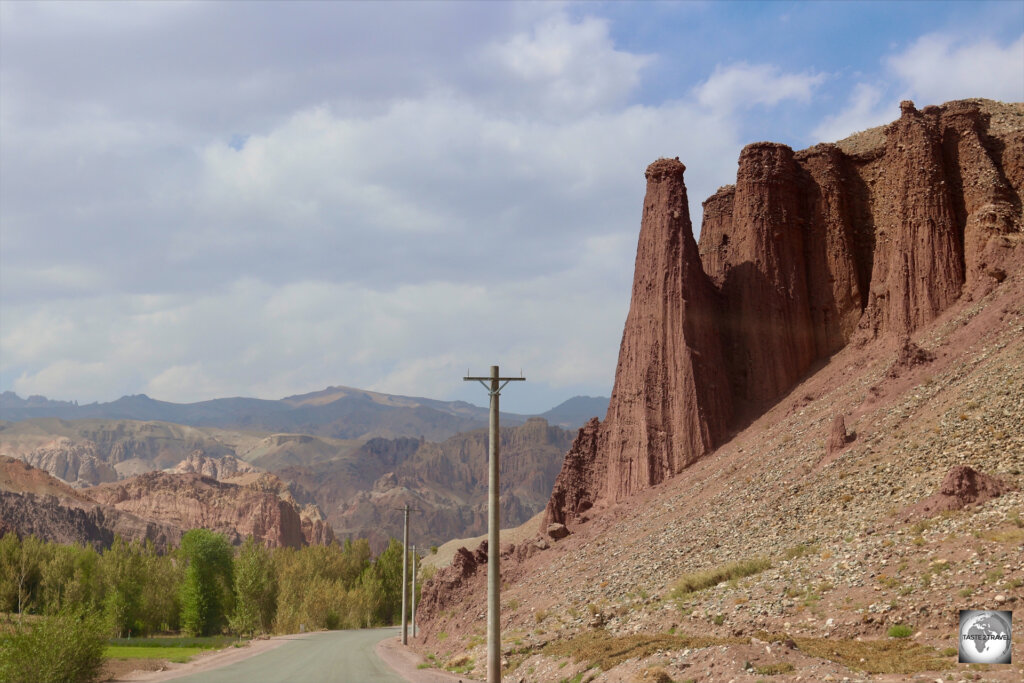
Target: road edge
{"points": [[405, 663]]}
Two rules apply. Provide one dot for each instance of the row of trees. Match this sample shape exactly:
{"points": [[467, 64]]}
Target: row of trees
{"points": [[205, 586]]}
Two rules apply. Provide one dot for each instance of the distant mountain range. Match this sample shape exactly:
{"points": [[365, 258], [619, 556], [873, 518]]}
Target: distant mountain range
{"points": [[335, 412]]}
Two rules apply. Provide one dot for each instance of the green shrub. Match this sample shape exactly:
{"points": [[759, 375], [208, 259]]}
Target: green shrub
{"points": [[900, 631], [66, 648]]}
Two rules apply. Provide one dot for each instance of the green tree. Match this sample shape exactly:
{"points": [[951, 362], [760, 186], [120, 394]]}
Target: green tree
{"points": [[123, 576], [206, 592], [255, 589], [159, 597], [71, 578], [387, 568]]}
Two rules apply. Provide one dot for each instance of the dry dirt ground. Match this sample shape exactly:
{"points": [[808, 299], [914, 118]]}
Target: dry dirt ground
{"points": [[849, 556]]}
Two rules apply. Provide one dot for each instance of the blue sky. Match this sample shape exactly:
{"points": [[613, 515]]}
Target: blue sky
{"points": [[205, 199]]}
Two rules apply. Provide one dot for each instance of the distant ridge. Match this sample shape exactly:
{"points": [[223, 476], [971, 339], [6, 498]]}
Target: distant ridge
{"points": [[337, 412]]}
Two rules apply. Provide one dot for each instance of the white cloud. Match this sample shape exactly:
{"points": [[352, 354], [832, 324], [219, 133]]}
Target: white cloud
{"points": [[865, 109], [741, 85], [940, 67], [934, 69], [565, 67]]}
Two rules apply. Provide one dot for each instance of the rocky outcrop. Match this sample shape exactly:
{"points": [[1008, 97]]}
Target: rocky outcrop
{"points": [[77, 463], [191, 501], [838, 438], [837, 280], [918, 259], [670, 404], [32, 502], [219, 468], [869, 238], [962, 486]]}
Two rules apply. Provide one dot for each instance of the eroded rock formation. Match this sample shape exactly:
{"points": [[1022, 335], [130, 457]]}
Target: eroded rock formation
{"points": [[191, 501], [869, 238], [216, 468]]}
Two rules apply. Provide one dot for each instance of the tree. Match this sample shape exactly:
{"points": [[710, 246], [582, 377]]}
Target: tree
{"points": [[123, 575], [387, 568], [206, 592], [255, 583]]}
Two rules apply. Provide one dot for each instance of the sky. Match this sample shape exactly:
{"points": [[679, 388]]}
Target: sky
{"points": [[202, 199]]}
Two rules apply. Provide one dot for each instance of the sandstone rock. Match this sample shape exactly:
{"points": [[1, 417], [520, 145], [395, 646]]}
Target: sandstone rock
{"points": [[836, 274], [962, 486], [986, 205], [190, 501], [837, 438], [218, 468], [769, 338], [77, 463], [918, 257], [557, 531], [801, 253]]}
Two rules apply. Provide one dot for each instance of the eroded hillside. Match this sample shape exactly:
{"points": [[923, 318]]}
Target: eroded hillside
{"points": [[767, 488]]}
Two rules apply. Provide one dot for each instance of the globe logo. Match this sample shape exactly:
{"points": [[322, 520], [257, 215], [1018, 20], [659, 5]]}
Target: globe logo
{"points": [[985, 636]]}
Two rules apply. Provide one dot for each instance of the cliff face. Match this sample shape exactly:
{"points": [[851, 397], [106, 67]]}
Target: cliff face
{"points": [[190, 501], [865, 240], [670, 404]]}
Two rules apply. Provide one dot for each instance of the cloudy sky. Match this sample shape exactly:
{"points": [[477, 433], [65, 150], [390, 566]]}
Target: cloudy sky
{"points": [[203, 199]]}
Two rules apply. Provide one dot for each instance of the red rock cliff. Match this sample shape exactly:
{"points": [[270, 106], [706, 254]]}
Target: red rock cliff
{"points": [[874, 236]]}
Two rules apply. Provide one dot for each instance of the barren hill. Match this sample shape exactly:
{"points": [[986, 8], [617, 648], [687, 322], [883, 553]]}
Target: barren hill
{"points": [[816, 432]]}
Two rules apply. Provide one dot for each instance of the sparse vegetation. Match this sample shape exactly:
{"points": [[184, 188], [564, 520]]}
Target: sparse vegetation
{"points": [[900, 631], [894, 656], [696, 581], [773, 669], [604, 651]]}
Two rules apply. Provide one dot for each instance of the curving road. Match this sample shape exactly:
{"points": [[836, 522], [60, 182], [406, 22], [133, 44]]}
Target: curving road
{"points": [[329, 657]]}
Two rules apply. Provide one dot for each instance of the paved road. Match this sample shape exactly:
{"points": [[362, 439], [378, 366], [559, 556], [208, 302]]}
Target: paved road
{"points": [[329, 657]]}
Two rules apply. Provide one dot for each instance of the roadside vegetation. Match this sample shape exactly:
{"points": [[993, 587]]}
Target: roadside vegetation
{"points": [[64, 608]]}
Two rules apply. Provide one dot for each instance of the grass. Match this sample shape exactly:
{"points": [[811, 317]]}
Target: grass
{"points": [[604, 651], [799, 551], [896, 656], [172, 648], [202, 642], [900, 631], [175, 654], [774, 669], [697, 581]]}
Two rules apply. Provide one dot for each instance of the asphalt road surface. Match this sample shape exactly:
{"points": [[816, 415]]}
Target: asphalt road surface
{"points": [[329, 657]]}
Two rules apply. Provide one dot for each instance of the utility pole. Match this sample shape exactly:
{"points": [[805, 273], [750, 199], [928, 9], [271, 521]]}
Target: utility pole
{"points": [[405, 572], [493, 387], [414, 591], [405, 579]]}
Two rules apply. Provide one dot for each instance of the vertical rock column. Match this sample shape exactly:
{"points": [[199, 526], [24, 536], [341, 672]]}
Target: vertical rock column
{"points": [[670, 404], [985, 201], [768, 323], [836, 297], [918, 264]]}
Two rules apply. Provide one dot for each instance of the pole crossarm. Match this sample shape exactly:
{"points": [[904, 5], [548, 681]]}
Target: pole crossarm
{"points": [[488, 382]]}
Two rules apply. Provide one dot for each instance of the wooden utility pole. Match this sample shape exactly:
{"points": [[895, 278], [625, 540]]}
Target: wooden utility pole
{"points": [[494, 384]]}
